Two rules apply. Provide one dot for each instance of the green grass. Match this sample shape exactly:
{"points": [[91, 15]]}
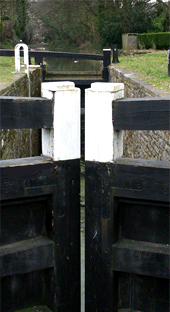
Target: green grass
{"points": [[152, 67], [7, 67]]}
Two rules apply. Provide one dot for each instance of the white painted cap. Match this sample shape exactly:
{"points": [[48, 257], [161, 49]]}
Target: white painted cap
{"points": [[107, 86], [58, 86]]}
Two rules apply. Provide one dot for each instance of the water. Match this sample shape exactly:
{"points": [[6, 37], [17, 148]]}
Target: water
{"points": [[66, 65]]}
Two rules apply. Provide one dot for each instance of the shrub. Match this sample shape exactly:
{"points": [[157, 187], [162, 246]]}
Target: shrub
{"points": [[159, 40]]}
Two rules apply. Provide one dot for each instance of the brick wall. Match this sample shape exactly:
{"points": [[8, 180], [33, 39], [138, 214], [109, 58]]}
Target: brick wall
{"points": [[141, 144]]}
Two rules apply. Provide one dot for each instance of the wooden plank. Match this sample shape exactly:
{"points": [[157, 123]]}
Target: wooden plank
{"points": [[141, 258], [74, 73], [143, 220], [141, 179], [26, 177], [26, 256], [139, 162], [25, 161], [25, 113], [142, 293], [53, 54], [98, 238], [78, 56], [142, 114], [6, 52], [29, 218], [28, 290], [67, 233]]}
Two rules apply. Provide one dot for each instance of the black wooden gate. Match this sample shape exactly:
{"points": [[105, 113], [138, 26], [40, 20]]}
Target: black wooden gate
{"points": [[127, 220], [39, 220]]}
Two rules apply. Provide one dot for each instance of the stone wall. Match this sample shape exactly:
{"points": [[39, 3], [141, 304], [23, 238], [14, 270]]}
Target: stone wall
{"points": [[141, 144], [20, 85], [26, 142]]}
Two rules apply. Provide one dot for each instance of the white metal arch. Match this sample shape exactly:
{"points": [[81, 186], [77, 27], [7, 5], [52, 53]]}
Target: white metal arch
{"points": [[17, 57]]}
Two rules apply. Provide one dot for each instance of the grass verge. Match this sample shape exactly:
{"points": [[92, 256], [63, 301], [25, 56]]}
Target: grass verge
{"points": [[7, 68], [152, 67]]}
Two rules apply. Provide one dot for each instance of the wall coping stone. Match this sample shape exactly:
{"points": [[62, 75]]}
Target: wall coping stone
{"points": [[132, 75], [4, 86]]}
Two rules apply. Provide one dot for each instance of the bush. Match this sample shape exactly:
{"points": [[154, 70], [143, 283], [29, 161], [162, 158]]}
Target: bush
{"points": [[110, 33], [160, 40]]}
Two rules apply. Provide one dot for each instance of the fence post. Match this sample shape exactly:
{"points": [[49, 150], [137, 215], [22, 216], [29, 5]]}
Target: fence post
{"points": [[106, 63], [38, 60], [62, 143], [115, 54], [102, 146]]}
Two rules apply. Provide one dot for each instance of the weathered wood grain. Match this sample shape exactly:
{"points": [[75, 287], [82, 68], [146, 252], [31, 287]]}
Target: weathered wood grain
{"points": [[142, 114], [26, 177], [26, 256], [54, 54], [25, 113], [127, 230], [142, 179], [143, 258]]}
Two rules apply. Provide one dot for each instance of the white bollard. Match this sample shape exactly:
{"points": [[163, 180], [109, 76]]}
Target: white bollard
{"points": [[102, 142], [62, 142], [26, 57]]}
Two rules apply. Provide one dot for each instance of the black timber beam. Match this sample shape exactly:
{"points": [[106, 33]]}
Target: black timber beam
{"points": [[25, 113], [26, 177], [142, 114], [6, 52], [26, 256], [135, 178], [141, 179], [106, 63], [53, 54], [142, 258], [108, 256], [66, 208]]}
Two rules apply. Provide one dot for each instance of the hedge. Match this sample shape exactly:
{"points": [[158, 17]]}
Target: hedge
{"points": [[159, 40]]}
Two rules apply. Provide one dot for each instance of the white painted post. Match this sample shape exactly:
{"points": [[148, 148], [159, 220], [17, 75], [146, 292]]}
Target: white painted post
{"points": [[17, 57], [102, 142], [62, 142]]}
